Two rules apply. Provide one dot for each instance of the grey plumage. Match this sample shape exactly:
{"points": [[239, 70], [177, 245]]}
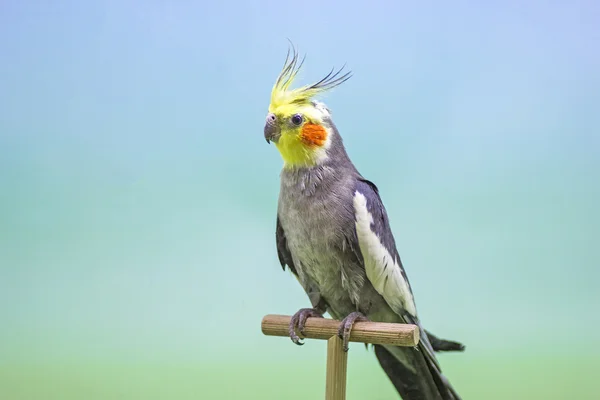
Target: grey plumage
{"points": [[317, 239]]}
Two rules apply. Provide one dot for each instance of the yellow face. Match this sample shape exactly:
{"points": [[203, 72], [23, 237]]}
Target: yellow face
{"points": [[300, 133], [296, 124]]}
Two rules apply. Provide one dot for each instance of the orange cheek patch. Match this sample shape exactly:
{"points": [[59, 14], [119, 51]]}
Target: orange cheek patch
{"points": [[313, 135]]}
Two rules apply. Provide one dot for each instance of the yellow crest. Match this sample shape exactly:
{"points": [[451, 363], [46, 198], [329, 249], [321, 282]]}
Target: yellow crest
{"points": [[282, 95]]}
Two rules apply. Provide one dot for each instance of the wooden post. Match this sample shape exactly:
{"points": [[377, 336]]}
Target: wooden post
{"points": [[337, 358], [337, 362]]}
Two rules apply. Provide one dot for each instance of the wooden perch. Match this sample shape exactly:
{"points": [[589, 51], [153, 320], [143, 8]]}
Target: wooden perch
{"points": [[337, 358], [364, 332]]}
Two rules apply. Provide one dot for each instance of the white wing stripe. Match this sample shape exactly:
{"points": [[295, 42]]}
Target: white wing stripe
{"points": [[388, 281]]}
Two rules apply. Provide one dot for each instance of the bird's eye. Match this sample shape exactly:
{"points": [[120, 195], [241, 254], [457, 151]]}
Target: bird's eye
{"points": [[297, 119]]}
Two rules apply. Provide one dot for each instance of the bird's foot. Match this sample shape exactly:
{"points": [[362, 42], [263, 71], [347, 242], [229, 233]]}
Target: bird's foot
{"points": [[299, 320], [346, 326]]}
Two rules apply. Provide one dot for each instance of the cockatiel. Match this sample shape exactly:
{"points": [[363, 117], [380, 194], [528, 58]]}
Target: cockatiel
{"points": [[334, 235]]}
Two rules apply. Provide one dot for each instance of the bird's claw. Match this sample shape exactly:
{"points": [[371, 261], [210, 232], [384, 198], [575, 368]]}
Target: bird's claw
{"points": [[346, 326], [298, 321]]}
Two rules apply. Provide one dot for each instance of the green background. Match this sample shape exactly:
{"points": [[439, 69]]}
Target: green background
{"points": [[138, 196]]}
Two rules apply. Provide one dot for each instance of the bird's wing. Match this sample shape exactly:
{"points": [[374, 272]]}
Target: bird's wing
{"points": [[283, 251], [376, 241], [385, 271]]}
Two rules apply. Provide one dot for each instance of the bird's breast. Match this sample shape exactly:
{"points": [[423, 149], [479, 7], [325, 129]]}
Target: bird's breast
{"points": [[317, 226]]}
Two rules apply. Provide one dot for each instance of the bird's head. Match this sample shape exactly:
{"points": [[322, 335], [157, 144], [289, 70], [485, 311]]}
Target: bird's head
{"points": [[300, 126]]}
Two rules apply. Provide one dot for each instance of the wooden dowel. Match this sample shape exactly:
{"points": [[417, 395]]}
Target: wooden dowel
{"points": [[337, 362], [365, 332]]}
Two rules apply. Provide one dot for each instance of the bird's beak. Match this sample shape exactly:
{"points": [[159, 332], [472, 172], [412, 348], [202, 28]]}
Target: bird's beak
{"points": [[272, 129]]}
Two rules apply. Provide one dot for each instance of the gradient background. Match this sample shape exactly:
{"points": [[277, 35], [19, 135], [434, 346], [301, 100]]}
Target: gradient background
{"points": [[138, 196]]}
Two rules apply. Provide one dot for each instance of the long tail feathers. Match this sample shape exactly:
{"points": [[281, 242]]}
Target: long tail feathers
{"points": [[413, 376], [411, 384], [443, 344], [415, 372]]}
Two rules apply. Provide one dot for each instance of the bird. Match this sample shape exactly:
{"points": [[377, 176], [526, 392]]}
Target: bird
{"points": [[333, 233]]}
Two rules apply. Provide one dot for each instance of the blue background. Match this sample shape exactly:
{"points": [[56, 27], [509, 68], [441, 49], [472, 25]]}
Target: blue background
{"points": [[138, 196]]}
